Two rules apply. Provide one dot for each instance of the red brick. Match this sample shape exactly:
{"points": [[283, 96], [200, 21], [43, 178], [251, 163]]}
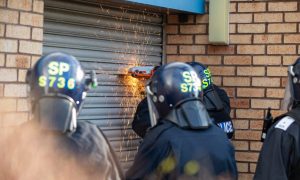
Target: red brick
{"points": [[15, 90], [9, 16], [2, 59], [250, 92], [268, 17], [202, 18], [282, 6], [284, 81], [239, 103], [180, 39], [220, 49], [292, 38], [201, 39], [208, 60], [265, 103], [267, 39], [230, 91], [237, 60], [251, 49], [7, 45], [265, 82], [19, 32], [247, 134], [255, 146], [30, 47], [241, 145], [252, 167], [244, 176], [249, 113], [288, 60], [246, 156], [171, 29], [292, 17], [20, 5], [222, 70], [2, 30], [179, 58], [171, 49], [192, 49], [217, 80], [236, 81], [241, 124], [298, 48], [251, 7], [242, 167], [22, 75], [31, 19], [250, 71], [282, 28], [174, 19], [18, 61], [256, 125], [275, 93], [37, 34], [34, 59], [233, 7], [38, 6], [276, 113], [251, 28], [8, 75], [192, 29], [266, 60], [281, 49], [240, 18], [277, 71], [240, 39], [232, 28]]}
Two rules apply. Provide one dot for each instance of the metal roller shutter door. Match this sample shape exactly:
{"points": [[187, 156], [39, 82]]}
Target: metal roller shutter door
{"points": [[108, 39]]}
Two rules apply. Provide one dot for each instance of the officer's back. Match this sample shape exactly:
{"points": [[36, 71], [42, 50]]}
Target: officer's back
{"points": [[280, 155]]}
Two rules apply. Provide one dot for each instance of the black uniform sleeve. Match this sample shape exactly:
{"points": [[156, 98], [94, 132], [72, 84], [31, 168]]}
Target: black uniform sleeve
{"points": [[224, 97], [147, 159], [276, 156], [141, 121]]}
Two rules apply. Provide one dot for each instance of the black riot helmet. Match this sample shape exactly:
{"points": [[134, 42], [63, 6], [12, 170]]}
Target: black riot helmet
{"points": [[292, 94], [57, 89], [174, 93], [211, 98]]}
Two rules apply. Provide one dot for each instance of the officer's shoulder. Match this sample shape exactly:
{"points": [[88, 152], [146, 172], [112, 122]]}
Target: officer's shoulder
{"points": [[284, 123]]}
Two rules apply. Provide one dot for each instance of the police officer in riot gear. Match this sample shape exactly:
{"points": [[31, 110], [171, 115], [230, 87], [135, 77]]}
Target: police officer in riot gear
{"points": [[53, 145], [218, 109], [280, 154], [216, 102], [183, 142]]}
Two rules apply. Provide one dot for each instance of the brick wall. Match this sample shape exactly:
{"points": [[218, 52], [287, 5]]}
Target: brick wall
{"points": [[264, 38], [21, 35]]}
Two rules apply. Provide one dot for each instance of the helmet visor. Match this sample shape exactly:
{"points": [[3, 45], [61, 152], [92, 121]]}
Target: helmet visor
{"points": [[212, 100], [58, 114], [153, 113]]}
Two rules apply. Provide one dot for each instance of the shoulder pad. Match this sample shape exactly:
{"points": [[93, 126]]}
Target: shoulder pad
{"points": [[285, 123]]}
